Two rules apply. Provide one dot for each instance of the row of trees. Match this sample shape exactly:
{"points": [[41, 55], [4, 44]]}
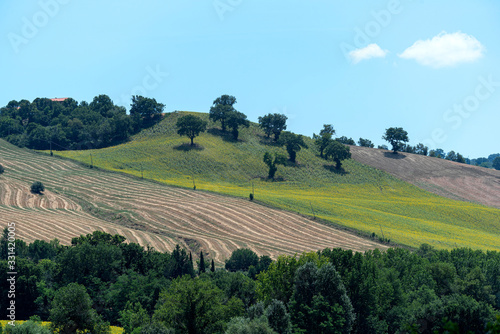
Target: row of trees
{"points": [[274, 125], [45, 124], [101, 280]]}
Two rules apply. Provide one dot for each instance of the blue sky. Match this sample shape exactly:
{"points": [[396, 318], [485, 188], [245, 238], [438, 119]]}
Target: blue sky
{"points": [[430, 67]]}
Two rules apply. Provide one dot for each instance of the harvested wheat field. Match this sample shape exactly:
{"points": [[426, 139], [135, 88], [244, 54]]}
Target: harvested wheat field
{"points": [[442, 177], [79, 200]]}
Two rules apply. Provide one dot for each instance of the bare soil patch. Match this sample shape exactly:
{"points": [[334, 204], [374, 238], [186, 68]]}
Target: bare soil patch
{"points": [[445, 178]]}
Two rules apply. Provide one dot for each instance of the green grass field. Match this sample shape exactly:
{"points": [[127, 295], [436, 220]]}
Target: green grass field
{"points": [[361, 198]]}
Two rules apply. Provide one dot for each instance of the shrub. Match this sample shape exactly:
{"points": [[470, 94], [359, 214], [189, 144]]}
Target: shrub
{"points": [[30, 327], [37, 187], [1, 169], [251, 196]]}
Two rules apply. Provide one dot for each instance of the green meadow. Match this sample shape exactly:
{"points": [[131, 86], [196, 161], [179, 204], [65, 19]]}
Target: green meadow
{"points": [[359, 198]]}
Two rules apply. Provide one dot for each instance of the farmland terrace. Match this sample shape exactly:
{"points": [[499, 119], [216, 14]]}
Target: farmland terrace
{"points": [[79, 200]]}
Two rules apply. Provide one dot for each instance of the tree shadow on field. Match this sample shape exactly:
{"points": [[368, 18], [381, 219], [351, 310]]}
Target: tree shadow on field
{"points": [[333, 169], [276, 179], [391, 155], [226, 136], [187, 147]]}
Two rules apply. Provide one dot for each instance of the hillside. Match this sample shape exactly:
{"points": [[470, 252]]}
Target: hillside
{"points": [[442, 177], [79, 200], [360, 197]]}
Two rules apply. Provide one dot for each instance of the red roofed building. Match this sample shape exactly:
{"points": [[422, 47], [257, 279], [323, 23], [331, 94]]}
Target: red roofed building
{"points": [[59, 99]]}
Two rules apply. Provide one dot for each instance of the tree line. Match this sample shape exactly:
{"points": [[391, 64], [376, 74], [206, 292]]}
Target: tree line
{"points": [[68, 125], [100, 280]]}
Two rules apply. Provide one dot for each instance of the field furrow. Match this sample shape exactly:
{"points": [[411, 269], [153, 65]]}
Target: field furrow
{"points": [[149, 213]]}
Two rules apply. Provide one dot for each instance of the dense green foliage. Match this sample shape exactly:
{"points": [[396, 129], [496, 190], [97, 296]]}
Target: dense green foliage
{"points": [[72, 310], [293, 143], [45, 124], [324, 138], [272, 162], [273, 124], [331, 291], [221, 108], [496, 163], [365, 143], [337, 152]]}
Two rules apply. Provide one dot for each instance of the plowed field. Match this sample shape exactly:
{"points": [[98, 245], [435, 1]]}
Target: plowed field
{"points": [[442, 177], [79, 200]]}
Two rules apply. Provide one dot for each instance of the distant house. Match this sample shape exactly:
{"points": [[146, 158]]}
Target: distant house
{"points": [[59, 99]]}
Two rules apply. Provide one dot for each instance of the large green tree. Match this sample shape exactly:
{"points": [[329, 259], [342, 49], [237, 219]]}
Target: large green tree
{"points": [[234, 120], [324, 138], [72, 311], [195, 306], [273, 124], [396, 137], [293, 144], [337, 152], [272, 162], [319, 303], [147, 109], [190, 126], [242, 259], [221, 108]]}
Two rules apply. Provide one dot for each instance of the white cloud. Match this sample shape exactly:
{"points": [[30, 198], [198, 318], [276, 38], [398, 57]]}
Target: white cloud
{"points": [[371, 51], [445, 50]]}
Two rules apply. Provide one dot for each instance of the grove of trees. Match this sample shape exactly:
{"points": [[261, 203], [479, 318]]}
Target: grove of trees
{"points": [[273, 124], [45, 124], [101, 280]]}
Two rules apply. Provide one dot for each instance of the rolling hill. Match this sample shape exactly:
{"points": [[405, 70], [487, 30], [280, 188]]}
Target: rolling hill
{"points": [[359, 197], [79, 200], [442, 177]]}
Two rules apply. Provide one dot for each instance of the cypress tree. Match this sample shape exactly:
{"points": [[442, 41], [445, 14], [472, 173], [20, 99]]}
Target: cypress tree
{"points": [[201, 266], [212, 269]]}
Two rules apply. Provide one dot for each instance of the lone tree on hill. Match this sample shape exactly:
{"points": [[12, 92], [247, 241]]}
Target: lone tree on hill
{"points": [[337, 152], [234, 120], [273, 124], [273, 162], [293, 143], [396, 137], [37, 187], [190, 126], [221, 109], [324, 138]]}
